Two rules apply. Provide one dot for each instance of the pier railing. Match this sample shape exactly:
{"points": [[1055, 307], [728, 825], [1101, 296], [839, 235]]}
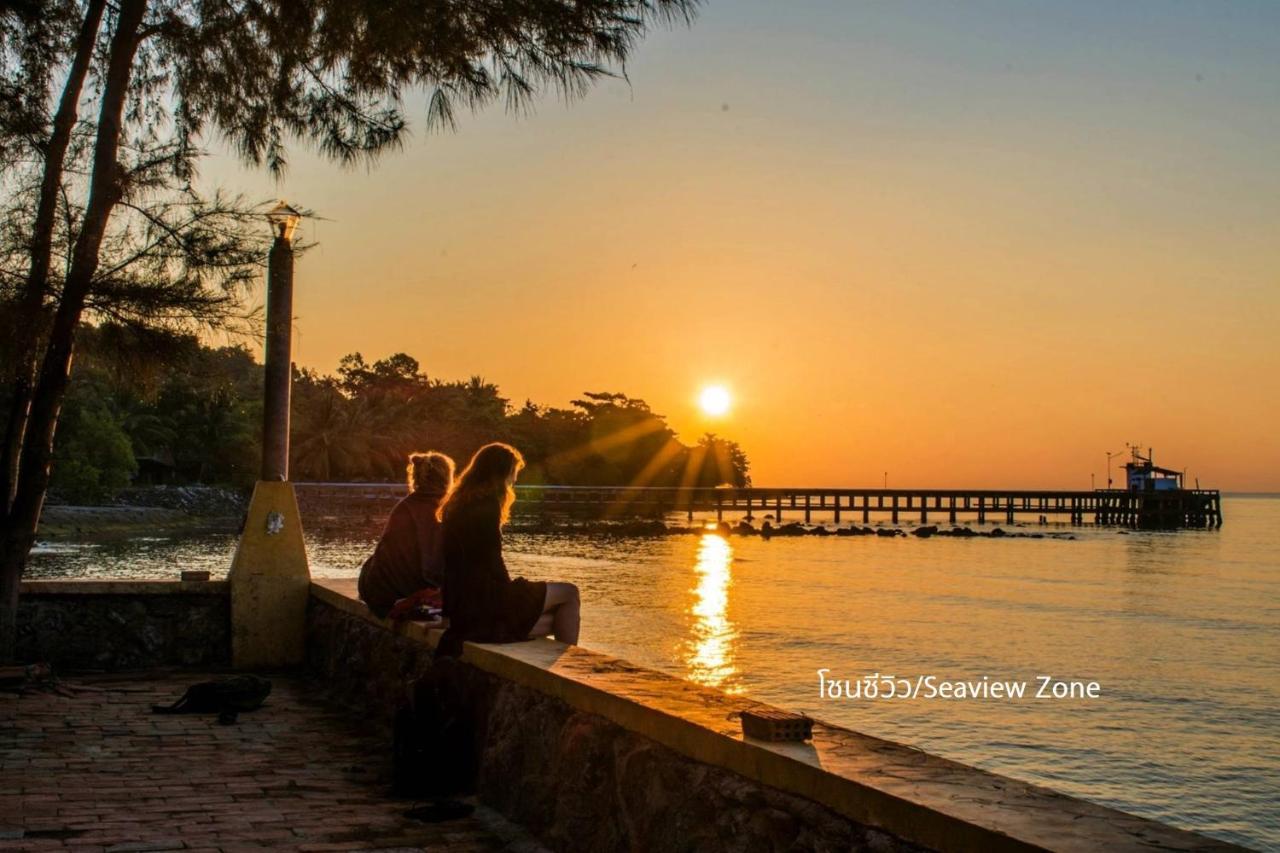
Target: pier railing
{"points": [[1183, 508]]}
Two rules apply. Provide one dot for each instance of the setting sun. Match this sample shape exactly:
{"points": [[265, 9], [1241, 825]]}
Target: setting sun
{"points": [[714, 400]]}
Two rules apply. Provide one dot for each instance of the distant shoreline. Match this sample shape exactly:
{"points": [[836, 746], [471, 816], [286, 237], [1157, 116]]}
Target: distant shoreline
{"points": [[205, 509], [65, 523]]}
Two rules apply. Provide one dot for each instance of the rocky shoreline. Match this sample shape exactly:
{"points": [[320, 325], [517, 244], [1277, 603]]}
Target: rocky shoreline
{"points": [[153, 509], [767, 530]]}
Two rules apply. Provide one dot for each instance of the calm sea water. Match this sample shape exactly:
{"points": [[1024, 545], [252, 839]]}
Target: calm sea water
{"points": [[1181, 631]]}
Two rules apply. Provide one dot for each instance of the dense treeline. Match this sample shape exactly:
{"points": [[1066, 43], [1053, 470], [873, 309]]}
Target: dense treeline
{"points": [[188, 413], [156, 408]]}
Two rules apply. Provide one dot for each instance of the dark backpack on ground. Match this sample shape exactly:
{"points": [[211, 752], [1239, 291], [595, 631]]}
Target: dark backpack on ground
{"points": [[226, 697], [434, 739]]}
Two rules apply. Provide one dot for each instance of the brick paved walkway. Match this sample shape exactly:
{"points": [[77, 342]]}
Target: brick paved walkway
{"points": [[99, 771]]}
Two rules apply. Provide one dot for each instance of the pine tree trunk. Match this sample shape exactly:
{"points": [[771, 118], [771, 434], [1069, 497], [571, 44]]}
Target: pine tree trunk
{"points": [[28, 314], [105, 190]]}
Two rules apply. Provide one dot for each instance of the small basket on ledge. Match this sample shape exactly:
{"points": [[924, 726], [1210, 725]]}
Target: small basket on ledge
{"points": [[774, 725]]}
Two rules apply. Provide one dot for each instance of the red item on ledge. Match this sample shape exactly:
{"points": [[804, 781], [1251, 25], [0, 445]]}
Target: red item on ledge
{"points": [[428, 598]]}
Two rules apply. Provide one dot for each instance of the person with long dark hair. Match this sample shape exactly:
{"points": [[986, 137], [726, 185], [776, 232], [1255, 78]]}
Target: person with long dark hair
{"points": [[481, 599], [408, 559]]}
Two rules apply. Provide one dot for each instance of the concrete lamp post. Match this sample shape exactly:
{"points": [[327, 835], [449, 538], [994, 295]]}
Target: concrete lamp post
{"points": [[270, 578], [278, 375]]}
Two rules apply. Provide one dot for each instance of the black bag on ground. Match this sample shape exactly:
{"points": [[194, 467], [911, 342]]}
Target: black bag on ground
{"points": [[434, 739], [226, 697]]}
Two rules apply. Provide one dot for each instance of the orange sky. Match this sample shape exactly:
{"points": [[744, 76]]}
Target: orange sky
{"points": [[970, 247]]}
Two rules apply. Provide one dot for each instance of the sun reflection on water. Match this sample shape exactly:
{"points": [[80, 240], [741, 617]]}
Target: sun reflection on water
{"points": [[711, 649]]}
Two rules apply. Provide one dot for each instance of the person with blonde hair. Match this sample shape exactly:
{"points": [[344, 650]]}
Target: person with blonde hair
{"points": [[481, 599], [407, 560]]}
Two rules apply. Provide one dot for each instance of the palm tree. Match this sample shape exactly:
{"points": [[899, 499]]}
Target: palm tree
{"points": [[335, 436]]}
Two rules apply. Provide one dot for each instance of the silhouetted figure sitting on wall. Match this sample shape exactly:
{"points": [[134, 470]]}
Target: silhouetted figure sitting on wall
{"points": [[408, 560], [481, 600]]}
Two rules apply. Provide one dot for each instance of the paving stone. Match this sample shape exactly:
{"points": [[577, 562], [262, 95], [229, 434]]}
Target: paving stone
{"points": [[97, 771]]}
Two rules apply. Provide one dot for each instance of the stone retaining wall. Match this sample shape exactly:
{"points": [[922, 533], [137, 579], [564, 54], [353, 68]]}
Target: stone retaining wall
{"points": [[576, 780], [122, 625]]}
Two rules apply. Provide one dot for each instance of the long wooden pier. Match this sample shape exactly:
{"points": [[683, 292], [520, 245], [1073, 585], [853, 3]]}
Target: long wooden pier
{"points": [[1169, 510]]}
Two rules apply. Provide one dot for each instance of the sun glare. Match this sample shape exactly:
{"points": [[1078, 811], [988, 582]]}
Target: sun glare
{"points": [[714, 400]]}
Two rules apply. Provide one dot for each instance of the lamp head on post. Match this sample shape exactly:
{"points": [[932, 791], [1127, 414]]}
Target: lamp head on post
{"points": [[284, 221]]}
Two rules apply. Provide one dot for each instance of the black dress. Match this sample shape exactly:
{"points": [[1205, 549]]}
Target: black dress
{"points": [[481, 599], [408, 557]]}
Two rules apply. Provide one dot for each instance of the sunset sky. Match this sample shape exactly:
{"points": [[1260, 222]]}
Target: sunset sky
{"points": [[969, 244]]}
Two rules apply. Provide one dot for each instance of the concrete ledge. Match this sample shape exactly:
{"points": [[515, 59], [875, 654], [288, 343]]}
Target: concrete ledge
{"points": [[79, 625], [107, 587], [341, 594], [909, 794]]}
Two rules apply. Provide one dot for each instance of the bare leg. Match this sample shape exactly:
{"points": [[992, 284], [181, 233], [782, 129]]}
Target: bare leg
{"points": [[568, 619], [543, 626], [564, 609]]}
